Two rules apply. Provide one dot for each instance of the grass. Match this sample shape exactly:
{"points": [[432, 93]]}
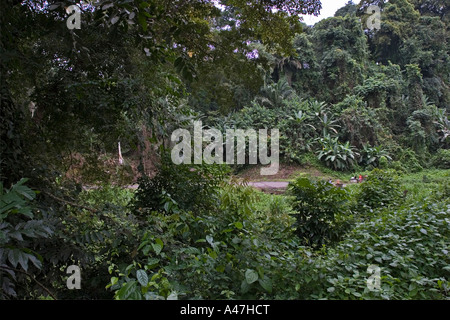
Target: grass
{"points": [[417, 186], [422, 184], [290, 172]]}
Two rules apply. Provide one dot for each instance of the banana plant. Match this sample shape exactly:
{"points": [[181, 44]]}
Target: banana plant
{"points": [[301, 117], [318, 107], [328, 125], [443, 124], [371, 155], [336, 155]]}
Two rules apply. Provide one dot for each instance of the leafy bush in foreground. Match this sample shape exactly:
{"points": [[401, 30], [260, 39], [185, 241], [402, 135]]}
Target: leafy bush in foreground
{"points": [[191, 187], [409, 245], [380, 189], [238, 251], [320, 207], [227, 253], [19, 228]]}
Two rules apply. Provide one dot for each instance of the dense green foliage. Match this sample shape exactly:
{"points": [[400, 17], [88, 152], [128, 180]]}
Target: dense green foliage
{"points": [[240, 252], [85, 113], [319, 207], [19, 226], [381, 189], [409, 244], [179, 186]]}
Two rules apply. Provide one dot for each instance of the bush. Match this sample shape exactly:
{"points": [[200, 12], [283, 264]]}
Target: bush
{"points": [[380, 189], [442, 191], [20, 229], [397, 166], [409, 160], [335, 154], [188, 187], [372, 156], [320, 211], [275, 211], [227, 253], [383, 163], [409, 246], [441, 159], [92, 228]]}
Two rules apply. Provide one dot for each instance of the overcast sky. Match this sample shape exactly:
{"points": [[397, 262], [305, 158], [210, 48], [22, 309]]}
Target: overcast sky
{"points": [[329, 7]]}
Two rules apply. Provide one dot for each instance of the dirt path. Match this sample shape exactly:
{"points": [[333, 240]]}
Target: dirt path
{"points": [[281, 180], [269, 184], [275, 187], [286, 173]]}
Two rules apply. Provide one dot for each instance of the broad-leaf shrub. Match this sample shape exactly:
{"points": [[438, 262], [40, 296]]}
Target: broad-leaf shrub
{"points": [[90, 229], [20, 226], [321, 211], [409, 161], [442, 159], [373, 156], [410, 245], [336, 155], [190, 187], [380, 189], [226, 253]]}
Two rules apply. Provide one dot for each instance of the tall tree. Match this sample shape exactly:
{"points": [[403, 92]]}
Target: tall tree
{"points": [[82, 72]]}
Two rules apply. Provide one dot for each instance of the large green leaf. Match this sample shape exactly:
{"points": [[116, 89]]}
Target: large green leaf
{"points": [[251, 276], [157, 247], [18, 256], [129, 290], [266, 283], [142, 277]]}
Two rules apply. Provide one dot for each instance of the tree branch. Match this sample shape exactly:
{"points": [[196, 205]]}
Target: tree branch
{"points": [[32, 278], [73, 204]]}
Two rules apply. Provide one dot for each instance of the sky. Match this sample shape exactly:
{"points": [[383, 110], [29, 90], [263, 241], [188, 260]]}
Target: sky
{"points": [[329, 7]]}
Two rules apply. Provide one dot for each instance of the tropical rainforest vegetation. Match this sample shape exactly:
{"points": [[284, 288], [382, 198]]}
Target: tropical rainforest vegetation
{"points": [[347, 100]]}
